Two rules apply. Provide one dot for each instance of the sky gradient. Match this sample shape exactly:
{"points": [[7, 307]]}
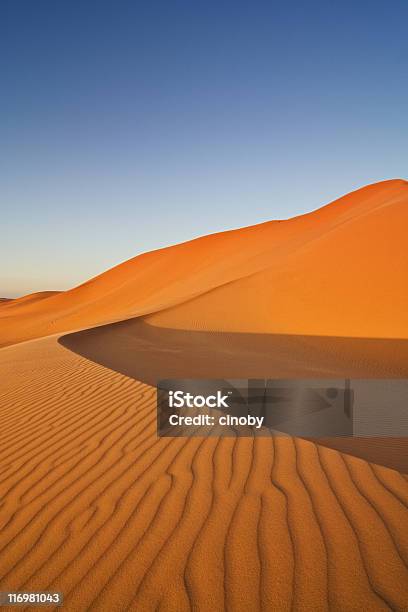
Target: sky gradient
{"points": [[128, 126]]}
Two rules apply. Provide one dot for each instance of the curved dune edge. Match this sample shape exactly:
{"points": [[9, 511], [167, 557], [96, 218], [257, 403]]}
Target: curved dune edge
{"points": [[96, 506], [149, 354]]}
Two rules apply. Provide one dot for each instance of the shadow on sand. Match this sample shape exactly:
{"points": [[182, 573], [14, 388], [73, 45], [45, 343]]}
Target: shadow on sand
{"points": [[148, 354]]}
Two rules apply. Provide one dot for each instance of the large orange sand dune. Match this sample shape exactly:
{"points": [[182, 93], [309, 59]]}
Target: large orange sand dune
{"points": [[338, 271], [95, 505]]}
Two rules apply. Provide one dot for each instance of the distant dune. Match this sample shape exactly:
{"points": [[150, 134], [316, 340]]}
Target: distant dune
{"points": [[95, 505], [27, 299]]}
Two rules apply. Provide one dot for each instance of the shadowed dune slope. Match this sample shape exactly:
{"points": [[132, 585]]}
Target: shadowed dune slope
{"points": [[340, 270], [94, 505], [148, 354]]}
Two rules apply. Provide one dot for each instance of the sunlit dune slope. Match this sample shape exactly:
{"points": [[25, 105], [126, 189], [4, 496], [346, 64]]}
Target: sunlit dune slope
{"points": [[349, 279], [340, 270]]}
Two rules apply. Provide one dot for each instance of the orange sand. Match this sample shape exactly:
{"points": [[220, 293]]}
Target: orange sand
{"points": [[95, 505]]}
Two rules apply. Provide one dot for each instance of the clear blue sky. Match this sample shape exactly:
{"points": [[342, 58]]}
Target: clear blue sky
{"points": [[127, 126]]}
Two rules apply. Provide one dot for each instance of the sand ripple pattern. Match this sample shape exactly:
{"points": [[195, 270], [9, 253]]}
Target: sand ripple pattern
{"points": [[93, 504]]}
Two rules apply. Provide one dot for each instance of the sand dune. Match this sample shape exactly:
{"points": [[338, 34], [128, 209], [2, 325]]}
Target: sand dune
{"points": [[28, 299], [94, 504], [338, 271], [347, 279], [10, 305]]}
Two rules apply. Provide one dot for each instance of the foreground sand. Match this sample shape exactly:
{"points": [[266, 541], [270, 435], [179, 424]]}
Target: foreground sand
{"points": [[96, 506]]}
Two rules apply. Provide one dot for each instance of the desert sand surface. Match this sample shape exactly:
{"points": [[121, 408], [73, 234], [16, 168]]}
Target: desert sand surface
{"points": [[95, 505]]}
